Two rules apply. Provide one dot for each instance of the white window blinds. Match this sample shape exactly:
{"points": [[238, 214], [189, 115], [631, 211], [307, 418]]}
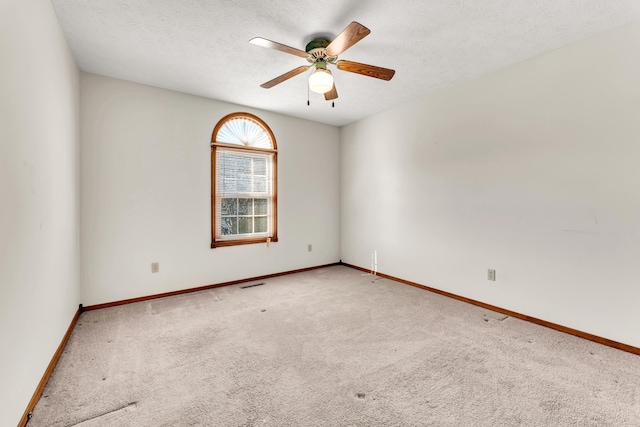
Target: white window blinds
{"points": [[244, 191]]}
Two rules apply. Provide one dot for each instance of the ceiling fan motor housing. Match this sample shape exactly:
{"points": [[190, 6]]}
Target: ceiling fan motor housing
{"points": [[318, 53], [316, 44]]}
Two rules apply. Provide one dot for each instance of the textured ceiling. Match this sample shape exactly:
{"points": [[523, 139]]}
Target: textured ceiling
{"points": [[202, 47]]}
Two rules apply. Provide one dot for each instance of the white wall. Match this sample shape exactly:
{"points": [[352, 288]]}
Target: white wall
{"points": [[533, 171], [146, 193], [39, 196]]}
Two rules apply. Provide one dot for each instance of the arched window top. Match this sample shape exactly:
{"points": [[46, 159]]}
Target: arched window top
{"points": [[244, 130]]}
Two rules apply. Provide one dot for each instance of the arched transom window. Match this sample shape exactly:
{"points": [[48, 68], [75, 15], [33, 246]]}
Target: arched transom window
{"points": [[243, 181]]}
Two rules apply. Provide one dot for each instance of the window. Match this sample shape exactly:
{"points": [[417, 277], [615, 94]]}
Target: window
{"points": [[243, 181]]}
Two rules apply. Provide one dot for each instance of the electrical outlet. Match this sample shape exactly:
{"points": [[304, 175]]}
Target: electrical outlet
{"points": [[155, 267], [491, 275], [309, 247]]}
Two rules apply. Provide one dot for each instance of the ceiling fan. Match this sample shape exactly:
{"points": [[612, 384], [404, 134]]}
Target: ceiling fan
{"points": [[320, 53]]}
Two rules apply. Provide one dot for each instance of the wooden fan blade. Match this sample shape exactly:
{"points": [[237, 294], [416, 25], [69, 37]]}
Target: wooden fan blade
{"points": [[347, 38], [278, 46], [285, 76], [366, 70], [332, 94]]}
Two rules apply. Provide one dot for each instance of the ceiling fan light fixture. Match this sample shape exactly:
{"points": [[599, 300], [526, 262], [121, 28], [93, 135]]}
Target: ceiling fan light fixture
{"points": [[321, 52], [321, 80]]}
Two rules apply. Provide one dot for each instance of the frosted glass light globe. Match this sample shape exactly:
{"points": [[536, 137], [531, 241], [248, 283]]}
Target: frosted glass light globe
{"points": [[321, 81]]}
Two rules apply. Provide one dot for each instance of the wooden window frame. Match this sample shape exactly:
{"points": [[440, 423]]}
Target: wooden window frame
{"points": [[274, 196]]}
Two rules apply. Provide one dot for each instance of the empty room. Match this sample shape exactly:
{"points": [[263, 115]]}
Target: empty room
{"points": [[327, 213]]}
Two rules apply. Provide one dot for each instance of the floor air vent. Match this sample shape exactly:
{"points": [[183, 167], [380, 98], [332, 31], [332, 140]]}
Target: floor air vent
{"points": [[251, 286]]}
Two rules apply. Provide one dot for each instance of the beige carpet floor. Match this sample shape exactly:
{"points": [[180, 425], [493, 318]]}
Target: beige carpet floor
{"points": [[331, 347]]}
